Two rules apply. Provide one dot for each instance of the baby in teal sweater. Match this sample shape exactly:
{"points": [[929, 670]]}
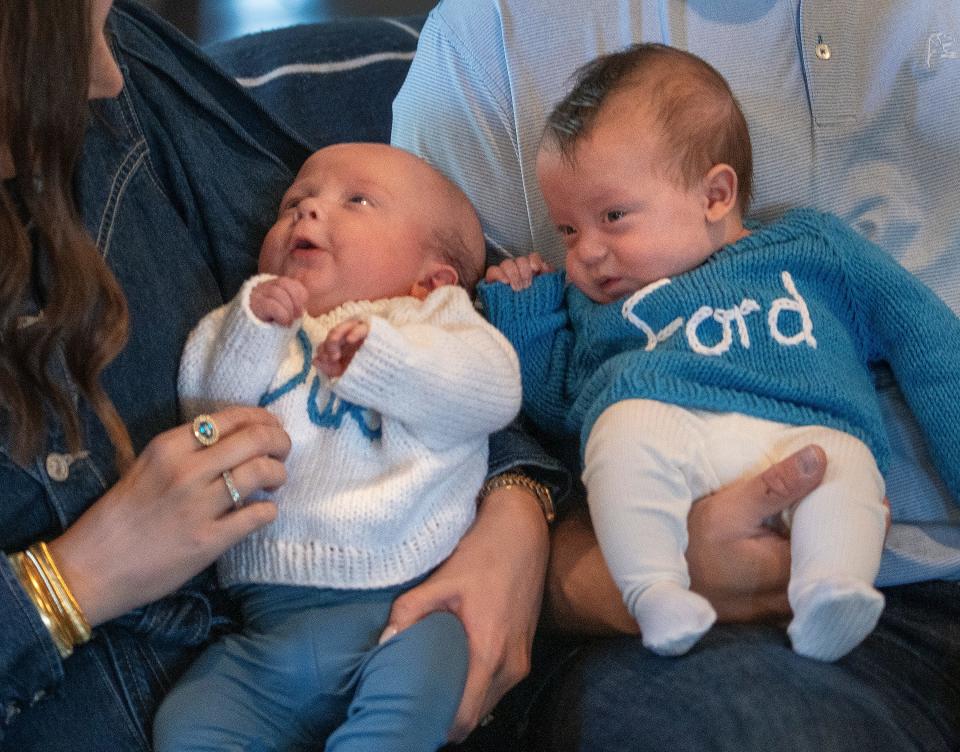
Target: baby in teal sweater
{"points": [[690, 350]]}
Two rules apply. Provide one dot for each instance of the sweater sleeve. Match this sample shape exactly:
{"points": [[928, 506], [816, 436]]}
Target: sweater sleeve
{"points": [[536, 322], [905, 324], [231, 356], [438, 368]]}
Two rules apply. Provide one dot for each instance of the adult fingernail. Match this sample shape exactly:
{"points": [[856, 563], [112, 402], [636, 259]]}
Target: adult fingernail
{"points": [[808, 461], [387, 633]]}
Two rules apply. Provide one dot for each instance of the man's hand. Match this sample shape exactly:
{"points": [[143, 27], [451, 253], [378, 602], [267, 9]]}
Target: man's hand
{"points": [[735, 559], [738, 561], [341, 344], [518, 272]]}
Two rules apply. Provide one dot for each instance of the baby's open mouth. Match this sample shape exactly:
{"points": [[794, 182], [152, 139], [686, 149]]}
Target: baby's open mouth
{"points": [[302, 244]]}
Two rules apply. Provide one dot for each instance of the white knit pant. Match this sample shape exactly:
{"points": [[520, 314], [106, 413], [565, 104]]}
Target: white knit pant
{"points": [[646, 462]]}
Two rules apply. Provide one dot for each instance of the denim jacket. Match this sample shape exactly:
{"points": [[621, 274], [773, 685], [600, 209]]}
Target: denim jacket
{"points": [[179, 180]]}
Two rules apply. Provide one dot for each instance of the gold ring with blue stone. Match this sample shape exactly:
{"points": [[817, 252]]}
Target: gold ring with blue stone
{"points": [[205, 430]]}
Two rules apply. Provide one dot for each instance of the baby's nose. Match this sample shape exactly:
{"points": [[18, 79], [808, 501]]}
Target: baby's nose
{"points": [[308, 208], [590, 250]]}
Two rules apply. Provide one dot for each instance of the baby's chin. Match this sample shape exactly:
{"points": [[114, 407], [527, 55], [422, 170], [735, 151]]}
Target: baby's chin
{"points": [[316, 308]]}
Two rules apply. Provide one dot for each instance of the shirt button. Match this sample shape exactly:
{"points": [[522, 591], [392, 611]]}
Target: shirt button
{"points": [[58, 466], [823, 51]]}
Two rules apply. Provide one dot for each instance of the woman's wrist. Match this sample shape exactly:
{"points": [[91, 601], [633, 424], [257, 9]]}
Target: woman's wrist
{"points": [[515, 512], [46, 588], [91, 562]]}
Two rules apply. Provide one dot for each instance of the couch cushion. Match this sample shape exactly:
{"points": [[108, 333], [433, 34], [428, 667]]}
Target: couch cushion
{"points": [[330, 82]]}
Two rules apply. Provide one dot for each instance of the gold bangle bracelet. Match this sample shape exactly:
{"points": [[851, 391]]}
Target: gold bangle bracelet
{"points": [[510, 480], [48, 591], [79, 625], [38, 595]]}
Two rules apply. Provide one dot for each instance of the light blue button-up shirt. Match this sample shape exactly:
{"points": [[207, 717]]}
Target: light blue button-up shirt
{"points": [[853, 108]]}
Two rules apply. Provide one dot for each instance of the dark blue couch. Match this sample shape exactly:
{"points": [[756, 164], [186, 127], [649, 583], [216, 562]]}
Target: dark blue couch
{"points": [[330, 82]]}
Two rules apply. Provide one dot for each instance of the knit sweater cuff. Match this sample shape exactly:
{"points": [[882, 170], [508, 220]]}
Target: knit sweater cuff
{"points": [[439, 369], [245, 338], [374, 374], [503, 305], [231, 356]]}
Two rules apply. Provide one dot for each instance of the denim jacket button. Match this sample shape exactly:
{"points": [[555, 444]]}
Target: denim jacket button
{"points": [[37, 696], [58, 466]]}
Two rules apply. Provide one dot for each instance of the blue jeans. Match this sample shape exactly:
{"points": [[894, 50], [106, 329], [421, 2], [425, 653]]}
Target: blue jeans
{"points": [[742, 689], [307, 667]]}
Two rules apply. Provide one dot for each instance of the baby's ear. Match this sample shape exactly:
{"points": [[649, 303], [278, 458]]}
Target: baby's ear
{"points": [[719, 191], [437, 275]]}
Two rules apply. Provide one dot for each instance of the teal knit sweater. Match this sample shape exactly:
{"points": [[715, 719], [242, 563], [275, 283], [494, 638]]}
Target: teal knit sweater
{"points": [[780, 325]]}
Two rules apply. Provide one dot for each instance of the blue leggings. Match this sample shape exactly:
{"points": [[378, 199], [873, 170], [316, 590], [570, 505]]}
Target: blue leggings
{"points": [[307, 667]]}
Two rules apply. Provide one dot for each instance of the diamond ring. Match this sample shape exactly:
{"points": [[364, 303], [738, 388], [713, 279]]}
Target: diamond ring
{"points": [[232, 489]]}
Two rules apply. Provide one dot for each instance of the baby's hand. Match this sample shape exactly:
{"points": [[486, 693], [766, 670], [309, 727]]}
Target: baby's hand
{"points": [[341, 344], [518, 272], [278, 301]]}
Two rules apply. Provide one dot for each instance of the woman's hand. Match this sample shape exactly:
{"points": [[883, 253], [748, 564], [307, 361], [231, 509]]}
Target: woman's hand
{"points": [[171, 515], [736, 561], [493, 582]]}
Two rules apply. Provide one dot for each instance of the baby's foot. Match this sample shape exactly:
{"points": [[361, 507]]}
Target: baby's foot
{"points": [[832, 616], [672, 618]]}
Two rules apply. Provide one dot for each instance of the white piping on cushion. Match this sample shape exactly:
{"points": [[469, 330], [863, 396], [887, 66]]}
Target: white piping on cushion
{"points": [[339, 66], [409, 29]]}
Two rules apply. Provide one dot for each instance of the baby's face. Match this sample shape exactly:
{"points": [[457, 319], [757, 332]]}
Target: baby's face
{"points": [[625, 219], [352, 226]]}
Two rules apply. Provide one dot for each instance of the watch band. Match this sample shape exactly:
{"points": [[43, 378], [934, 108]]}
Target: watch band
{"points": [[509, 480]]}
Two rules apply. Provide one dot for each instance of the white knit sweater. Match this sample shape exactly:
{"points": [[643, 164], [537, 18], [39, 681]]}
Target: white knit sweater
{"points": [[387, 459]]}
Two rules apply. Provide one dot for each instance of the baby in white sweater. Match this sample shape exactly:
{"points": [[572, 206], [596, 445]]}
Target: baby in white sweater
{"points": [[360, 335]]}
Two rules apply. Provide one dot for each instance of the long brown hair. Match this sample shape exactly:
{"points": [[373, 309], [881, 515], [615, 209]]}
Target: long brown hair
{"points": [[45, 48]]}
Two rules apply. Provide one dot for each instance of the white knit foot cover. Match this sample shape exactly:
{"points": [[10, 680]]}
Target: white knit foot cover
{"points": [[672, 618], [832, 616]]}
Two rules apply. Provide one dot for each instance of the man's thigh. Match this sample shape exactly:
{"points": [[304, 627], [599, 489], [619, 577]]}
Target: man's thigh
{"points": [[743, 689]]}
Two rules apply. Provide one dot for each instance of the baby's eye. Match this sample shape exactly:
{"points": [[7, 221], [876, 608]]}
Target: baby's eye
{"points": [[360, 199], [615, 215], [290, 203], [566, 230]]}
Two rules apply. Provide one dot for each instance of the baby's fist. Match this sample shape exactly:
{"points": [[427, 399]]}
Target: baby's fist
{"points": [[342, 342], [281, 300]]}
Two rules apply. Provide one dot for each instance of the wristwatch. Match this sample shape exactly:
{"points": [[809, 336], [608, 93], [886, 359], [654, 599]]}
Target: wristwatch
{"points": [[509, 480]]}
